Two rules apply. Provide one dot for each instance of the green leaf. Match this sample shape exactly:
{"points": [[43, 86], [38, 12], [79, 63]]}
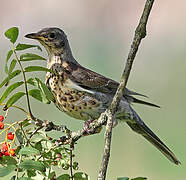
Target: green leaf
{"points": [[19, 136], [44, 99], [45, 90], [52, 175], [8, 160], [123, 178], [26, 123], [29, 151], [37, 68], [80, 176], [13, 99], [38, 146], [63, 177], [12, 66], [39, 95], [30, 57], [45, 95], [36, 93], [47, 155], [6, 170], [32, 81], [21, 47], [30, 164], [12, 34], [9, 90], [75, 166], [139, 178], [9, 54], [31, 173], [12, 75]]}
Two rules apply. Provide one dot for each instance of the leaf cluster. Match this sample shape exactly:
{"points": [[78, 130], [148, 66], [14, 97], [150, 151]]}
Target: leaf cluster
{"points": [[36, 156]]}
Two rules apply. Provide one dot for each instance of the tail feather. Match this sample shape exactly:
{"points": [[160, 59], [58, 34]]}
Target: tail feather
{"points": [[144, 102], [140, 127], [129, 92]]}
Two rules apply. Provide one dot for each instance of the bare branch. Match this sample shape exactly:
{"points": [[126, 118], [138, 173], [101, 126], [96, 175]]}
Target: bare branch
{"points": [[140, 33]]}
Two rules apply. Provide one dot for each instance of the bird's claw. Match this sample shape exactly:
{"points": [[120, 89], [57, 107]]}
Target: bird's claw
{"points": [[87, 130]]}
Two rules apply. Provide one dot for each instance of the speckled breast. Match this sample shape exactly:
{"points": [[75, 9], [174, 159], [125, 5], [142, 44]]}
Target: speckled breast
{"points": [[77, 104]]}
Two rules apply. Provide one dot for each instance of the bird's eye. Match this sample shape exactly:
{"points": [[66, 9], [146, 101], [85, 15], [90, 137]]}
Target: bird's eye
{"points": [[52, 35]]}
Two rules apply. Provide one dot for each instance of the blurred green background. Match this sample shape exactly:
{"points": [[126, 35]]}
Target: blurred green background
{"points": [[100, 34]]}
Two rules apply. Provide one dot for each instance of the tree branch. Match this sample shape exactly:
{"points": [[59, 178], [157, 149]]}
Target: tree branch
{"points": [[140, 33]]}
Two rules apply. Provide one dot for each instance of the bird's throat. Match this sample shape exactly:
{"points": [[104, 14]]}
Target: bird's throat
{"points": [[54, 60]]}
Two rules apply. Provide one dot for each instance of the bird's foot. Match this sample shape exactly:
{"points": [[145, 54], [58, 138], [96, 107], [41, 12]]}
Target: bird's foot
{"points": [[86, 124], [89, 131]]}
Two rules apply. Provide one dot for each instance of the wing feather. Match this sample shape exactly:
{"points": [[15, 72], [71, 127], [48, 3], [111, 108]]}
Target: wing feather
{"points": [[92, 81]]}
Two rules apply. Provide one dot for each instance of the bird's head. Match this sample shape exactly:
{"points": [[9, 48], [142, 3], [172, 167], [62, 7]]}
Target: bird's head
{"points": [[53, 39]]}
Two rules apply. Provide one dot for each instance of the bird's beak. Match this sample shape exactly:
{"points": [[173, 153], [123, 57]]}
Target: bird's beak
{"points": [[33, 36]]}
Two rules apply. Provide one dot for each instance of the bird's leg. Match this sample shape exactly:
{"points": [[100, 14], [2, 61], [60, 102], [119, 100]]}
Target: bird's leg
{"points": [[89, 131], [72, 137], [87, 123]]}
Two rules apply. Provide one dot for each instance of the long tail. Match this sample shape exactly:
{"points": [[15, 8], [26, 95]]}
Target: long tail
{"points": [[132, 99], [135, 100], [140, 127]]}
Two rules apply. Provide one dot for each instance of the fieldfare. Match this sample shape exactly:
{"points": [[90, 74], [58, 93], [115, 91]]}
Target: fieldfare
{"points": [[84, 94]]}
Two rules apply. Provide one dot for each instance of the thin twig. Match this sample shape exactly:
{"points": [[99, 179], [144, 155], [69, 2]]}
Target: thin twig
{"points": [[25, 83], [35, 131], [71, 162], [140, 33], [17, 170], [24, 134]]}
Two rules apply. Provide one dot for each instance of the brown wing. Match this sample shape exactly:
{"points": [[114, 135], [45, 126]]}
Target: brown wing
{"points": [[91, 80]]}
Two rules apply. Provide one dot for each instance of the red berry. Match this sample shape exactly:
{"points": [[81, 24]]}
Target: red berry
{"points": [[1, 118], [12, 152], [10, 136], [6, 153], [1, 125], [1, 154], [4, 147]]}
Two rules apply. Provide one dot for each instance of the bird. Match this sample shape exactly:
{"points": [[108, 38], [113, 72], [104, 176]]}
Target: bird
{"points": [[84, 94]]}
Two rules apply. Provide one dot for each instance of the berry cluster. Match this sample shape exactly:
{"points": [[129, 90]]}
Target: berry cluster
{"points": [[6, 150], [6, 147]]}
